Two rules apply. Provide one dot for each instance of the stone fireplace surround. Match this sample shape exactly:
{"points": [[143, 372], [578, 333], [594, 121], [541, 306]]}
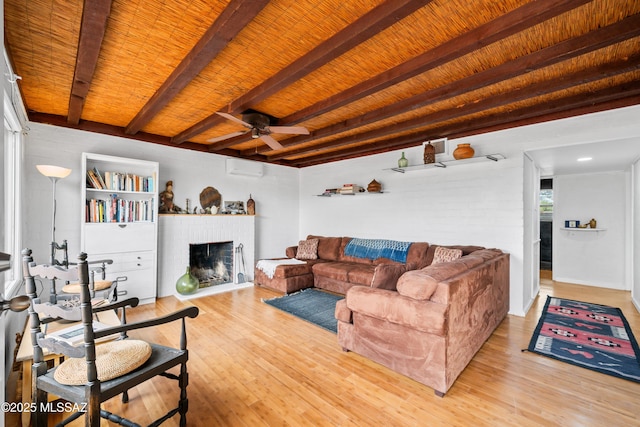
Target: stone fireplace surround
{"points": [[177, 232]]}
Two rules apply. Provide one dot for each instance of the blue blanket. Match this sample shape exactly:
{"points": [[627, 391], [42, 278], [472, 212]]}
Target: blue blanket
{"points": [[378, 248]]}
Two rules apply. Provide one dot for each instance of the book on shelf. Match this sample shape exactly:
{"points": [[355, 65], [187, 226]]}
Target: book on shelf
{"points": [[120, 181], [92, 180], [100, 179]]}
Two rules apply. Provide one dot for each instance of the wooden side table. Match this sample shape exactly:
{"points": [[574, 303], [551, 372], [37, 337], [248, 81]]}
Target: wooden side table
{"points": [[25, 355]]}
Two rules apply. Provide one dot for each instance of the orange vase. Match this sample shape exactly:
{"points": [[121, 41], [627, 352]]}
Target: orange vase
{"points": [[464, 151]]}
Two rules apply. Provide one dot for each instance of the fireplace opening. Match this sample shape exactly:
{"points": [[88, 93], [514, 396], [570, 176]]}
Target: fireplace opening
{"points": [[211, 263]]}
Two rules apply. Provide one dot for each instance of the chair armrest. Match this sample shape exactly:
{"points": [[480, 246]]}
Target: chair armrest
{"points": [[129, 302], [191, 312]]}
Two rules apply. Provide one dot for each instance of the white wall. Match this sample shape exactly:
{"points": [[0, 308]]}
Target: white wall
{"points": [[475, 204], [591, 257], [479, 204], [635, 255], [275, 194]]}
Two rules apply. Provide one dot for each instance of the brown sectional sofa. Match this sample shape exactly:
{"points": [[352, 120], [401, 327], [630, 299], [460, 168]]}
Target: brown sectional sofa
{"points": [[423, 320]]}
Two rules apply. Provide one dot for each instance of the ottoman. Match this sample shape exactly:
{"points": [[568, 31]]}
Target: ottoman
{"points": [[285, 278]]}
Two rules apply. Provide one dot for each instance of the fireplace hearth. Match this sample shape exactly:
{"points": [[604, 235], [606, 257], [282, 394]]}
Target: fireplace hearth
{"points": [[211, 263]]}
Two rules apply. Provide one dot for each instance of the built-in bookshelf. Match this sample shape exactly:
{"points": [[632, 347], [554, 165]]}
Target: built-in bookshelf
{"points": [[120, 220]]}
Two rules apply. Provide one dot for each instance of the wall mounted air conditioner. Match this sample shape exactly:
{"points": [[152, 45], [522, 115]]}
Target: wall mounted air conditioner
{"points": [[244, 167]]}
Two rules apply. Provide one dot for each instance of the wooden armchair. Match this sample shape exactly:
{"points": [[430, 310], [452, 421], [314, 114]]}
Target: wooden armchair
{"points": [[92, 374]]}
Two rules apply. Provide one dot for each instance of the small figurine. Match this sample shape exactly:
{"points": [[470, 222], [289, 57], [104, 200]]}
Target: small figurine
{"points": [[166, 200]]}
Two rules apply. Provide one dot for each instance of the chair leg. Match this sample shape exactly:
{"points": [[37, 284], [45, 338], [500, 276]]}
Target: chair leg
{"points": [[39, 418], [183, 405]]}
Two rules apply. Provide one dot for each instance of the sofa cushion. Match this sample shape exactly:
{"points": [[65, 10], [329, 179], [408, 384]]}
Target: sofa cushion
{"points": [[417, 284], [332, 270], [443, 254], [417, 255], [386, 275], [361, 274], [328, 247], [346, 258], [392, 307], [307, 249]]}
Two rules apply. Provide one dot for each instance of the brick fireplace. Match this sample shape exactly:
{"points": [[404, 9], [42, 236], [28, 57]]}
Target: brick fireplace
{"points": [[177, 234]]}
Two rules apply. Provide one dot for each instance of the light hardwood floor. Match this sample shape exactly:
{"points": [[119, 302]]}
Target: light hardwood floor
{"points": [[253, 365]]}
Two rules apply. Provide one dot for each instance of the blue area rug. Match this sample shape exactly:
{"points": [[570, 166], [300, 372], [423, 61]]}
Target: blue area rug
{"points": [[592, 336], [312, 305]]}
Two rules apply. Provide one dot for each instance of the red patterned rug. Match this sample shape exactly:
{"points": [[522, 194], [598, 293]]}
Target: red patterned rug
{"points": [[593, 336]]}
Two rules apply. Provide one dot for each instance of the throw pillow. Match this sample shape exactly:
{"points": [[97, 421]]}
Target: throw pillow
{"points": [[443, 254], [307, 249]]}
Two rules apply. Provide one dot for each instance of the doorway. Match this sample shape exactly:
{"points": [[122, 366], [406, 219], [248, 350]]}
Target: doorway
{"points": [[546, 226]]}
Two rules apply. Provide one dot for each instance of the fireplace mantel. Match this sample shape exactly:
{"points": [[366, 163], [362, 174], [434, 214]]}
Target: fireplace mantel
{"points": [[176, 232]]}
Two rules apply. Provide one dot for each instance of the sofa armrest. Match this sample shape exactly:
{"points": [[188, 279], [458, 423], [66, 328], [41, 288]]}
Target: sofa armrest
{"points": [[342, 313], [386, 276], [291, 251]]}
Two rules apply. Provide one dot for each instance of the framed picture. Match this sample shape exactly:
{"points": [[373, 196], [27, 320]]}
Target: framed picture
{"points": [[234, 207]]}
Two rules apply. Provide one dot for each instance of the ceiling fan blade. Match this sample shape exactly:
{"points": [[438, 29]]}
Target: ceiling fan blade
{"points": [[296, 130], [271, 142], [235, 119], [227, 136]]}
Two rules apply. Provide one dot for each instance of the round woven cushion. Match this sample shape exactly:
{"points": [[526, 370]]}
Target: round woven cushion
{"points": [[113, 359], [98, 285]]}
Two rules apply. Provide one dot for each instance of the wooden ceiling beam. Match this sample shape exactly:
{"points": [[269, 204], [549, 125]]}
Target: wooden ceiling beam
{"points": [[225, 28], [615, 33], [610, 98], [537, 89], [94, 24], [365, 27], [506, 25], [511, 23]]}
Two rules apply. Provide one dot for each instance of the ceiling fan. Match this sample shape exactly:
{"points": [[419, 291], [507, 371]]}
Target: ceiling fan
{"points": [[259, 124]]}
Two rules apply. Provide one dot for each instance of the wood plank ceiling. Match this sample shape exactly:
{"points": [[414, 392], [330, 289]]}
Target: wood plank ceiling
{"points": [[363, 76]]}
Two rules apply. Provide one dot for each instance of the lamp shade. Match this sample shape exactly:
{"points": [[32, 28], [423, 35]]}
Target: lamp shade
{"points": [[53, 171]]}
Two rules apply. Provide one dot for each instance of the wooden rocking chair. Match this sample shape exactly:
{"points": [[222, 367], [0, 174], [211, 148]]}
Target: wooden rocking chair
{"points": [[92, 374]]}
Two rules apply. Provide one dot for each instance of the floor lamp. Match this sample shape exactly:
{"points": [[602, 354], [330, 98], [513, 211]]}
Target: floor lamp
{"points": [[54, 173]]}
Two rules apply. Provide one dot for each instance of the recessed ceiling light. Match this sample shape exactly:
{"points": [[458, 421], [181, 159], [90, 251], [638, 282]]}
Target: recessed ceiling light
{"points": [[585, 159]]}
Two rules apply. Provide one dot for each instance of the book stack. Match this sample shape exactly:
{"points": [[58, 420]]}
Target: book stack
{"points": [[331, 191], [117, 181], [351, 189], [116, 209]]}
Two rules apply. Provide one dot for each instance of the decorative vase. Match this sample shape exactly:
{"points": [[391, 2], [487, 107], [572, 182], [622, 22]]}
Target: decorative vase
{"points": [[402, 161], [187, 284], [251, 206], [593, 223], [464, 151], [429, 153]]}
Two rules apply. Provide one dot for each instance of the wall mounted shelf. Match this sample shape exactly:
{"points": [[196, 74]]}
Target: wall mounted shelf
{"points": [[351, 194], [448, 163], [583, 229]]}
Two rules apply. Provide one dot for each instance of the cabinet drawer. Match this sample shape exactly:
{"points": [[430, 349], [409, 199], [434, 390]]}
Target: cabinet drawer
{"points": [[138, 267], [111, 238], [127, 261]]}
